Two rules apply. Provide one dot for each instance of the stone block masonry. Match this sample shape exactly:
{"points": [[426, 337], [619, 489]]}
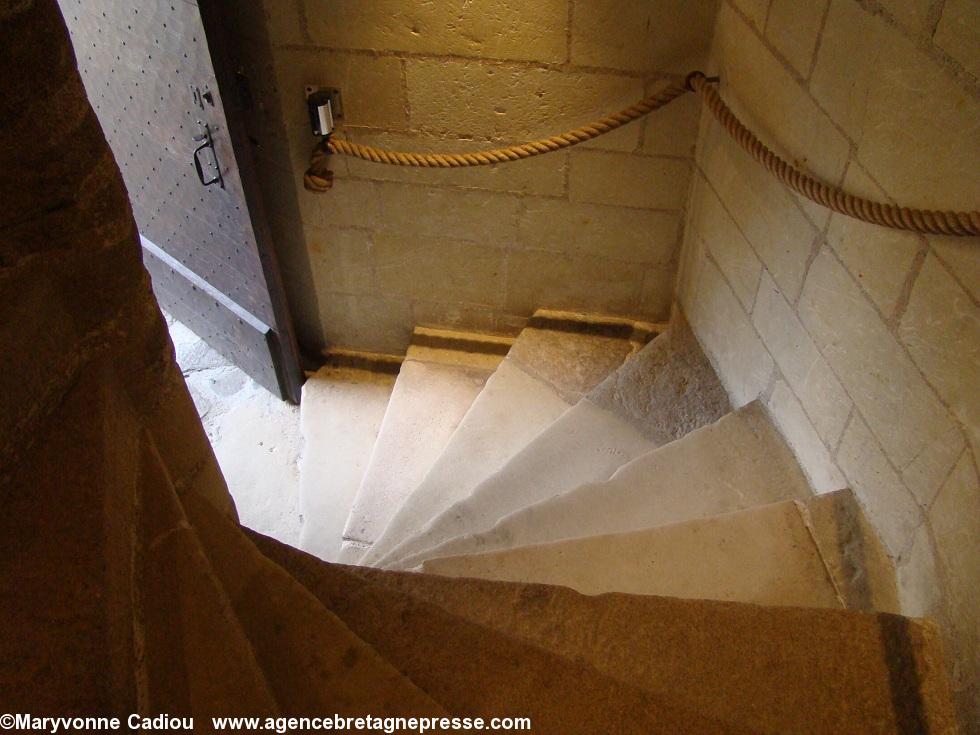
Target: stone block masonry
{"points": [[89, 390], [594, 229], [863, 342]]}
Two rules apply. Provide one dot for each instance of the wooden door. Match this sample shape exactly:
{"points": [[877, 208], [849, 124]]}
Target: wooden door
{"points": [[153, 71]]}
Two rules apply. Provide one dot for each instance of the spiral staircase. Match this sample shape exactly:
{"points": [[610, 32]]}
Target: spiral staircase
{"points": [[650, 561], [606, 545]]}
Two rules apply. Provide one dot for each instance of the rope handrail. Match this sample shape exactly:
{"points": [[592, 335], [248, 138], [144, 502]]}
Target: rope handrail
{"points": [[318, 177], [926, 221]]}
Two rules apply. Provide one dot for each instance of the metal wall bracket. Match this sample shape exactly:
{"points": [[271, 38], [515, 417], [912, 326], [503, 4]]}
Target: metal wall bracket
{"points": [[325, 108]]}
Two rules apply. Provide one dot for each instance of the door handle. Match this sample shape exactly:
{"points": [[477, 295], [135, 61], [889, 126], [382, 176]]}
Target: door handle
{"points": [[208, 142]]}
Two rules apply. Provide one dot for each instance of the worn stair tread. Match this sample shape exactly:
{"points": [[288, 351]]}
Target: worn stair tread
{"points": [[776, 669], [197, 659], [463, 463], [659, 394], [313, 662], [478, 671], [854, 553], [556, 359], [340, 415], [736, 463], [439, 379], [765, 555], [584, 444]]}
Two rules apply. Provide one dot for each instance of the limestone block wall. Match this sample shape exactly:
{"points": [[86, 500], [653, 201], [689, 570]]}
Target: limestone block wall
{"points": [[863, 342], [596, 228]]}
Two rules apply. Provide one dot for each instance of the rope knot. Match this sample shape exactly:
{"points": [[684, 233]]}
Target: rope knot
{"points": [[318, 177]]}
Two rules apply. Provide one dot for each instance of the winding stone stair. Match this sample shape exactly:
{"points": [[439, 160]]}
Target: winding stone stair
{"points": [[757, 614], [129, 585], [598, 517]]}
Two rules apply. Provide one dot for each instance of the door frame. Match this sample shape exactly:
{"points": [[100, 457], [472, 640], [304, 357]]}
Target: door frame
{"points": [[285, 350]]}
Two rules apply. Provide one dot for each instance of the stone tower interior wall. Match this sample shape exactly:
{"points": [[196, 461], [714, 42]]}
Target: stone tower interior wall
{"points": [[595, 228], [863, 342]]}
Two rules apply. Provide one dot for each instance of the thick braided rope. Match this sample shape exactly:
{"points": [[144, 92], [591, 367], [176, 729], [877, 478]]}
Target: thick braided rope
{"points": [[926, 221], [317, 179]]}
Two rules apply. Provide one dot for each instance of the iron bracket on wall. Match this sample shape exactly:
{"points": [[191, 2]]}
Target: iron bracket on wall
{"points": [[324, 107]]}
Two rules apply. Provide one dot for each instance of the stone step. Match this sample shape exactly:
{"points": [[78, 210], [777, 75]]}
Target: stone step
{"points": [[313, 662], [768, 555], [738, 462], [773, 669], [340, 415], [479, 671], [195, 656], [443, 372], [98, 566], [658, 395], [557, 358]]}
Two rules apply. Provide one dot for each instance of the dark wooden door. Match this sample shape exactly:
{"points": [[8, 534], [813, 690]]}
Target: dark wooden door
{"points": [[154, 74]]}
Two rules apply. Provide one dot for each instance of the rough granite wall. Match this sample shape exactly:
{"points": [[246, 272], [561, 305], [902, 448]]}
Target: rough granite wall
{"points": [[864, 342], [595, 229]]}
